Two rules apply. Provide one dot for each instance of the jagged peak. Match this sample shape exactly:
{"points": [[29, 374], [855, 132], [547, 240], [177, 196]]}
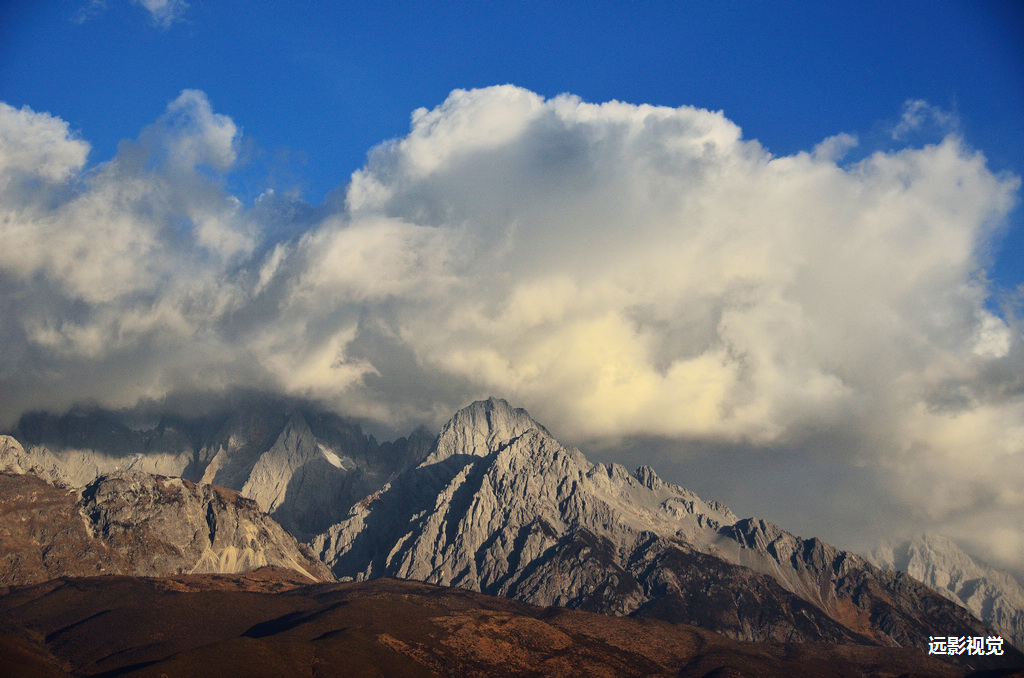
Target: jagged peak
{"points": [[931, 551], [899, 554], [296, 422], [615, 471], [481, 427], [938, 541], [10, 442], [753, 532], [994, 595], [493, 409], [647, 477]]}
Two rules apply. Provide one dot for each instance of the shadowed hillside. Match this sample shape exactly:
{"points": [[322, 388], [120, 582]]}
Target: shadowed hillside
{"points": [[269, 623]]}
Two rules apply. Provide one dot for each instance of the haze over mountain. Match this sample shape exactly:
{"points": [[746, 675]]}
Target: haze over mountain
{"points": [[300, 463]]}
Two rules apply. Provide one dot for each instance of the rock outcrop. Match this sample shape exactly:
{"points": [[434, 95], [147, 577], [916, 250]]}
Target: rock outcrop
{"points": [[131, 522]]}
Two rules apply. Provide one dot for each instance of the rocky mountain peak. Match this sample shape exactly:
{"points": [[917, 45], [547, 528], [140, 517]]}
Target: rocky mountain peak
{"points": [[648, 478], [481, 428]]}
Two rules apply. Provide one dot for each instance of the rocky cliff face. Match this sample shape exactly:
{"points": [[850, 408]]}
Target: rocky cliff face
{"points": [[302, 465], [501, 507], [131, 522], [993, 596]]}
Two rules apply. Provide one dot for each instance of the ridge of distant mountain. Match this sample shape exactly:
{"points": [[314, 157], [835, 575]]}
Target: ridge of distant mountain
{"points": [[992, 595], [499, 506], [302, 465], [130, 522], [239, 625]]}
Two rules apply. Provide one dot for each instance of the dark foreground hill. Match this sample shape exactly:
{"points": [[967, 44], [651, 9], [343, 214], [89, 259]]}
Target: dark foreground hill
{"points": [[271, 623]]}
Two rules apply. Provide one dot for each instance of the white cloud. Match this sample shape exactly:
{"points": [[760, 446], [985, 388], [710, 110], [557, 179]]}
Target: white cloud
{"points": [[919, 115], [190, 134], [116, 278], [762, 291], [992, 338], [89, 10], [835, 148], [37, 145], [131, 228], [164, 12], [619, 270]]}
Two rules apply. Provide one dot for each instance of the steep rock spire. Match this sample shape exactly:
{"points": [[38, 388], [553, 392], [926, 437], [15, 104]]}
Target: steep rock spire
{"points": [[481, 428]]}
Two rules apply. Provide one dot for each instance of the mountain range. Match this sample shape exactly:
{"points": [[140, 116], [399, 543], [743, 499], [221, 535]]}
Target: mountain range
{"points": [[492, 504], [499, 506]]}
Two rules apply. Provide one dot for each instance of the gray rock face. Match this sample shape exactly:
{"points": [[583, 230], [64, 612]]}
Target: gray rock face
{"points": [[481, 428], [993, 596], [131, 522], [170, 525], [302, 465], [496, 491], [501, 507]]}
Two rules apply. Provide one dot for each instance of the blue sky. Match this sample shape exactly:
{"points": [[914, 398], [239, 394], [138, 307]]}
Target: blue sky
{"points": [[314, 87], [784, 255]]}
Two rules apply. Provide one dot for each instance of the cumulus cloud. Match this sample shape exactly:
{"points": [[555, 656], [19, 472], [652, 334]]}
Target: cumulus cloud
{"points": [[620, 270], [111, 275], [646, 270], [37, 146], [835, 148]]}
